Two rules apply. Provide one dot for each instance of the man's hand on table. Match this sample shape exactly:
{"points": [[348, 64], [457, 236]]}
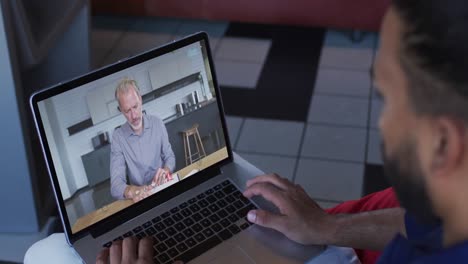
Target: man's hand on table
{"points": [[144, 193], [301, 219], [129, 251], [161, 176], [137, 193]]}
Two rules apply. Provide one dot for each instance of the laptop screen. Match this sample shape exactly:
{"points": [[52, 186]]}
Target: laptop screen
{"points": [[121, 138]]}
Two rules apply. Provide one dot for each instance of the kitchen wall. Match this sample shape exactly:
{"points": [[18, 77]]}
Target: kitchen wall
{"points": [[72, 107]]}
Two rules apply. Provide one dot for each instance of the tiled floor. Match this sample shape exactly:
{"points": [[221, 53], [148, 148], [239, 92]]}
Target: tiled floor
{"points": [[325, 140]]}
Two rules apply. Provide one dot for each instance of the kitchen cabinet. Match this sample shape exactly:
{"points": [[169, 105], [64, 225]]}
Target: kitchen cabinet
{"points": [[97, 165]]}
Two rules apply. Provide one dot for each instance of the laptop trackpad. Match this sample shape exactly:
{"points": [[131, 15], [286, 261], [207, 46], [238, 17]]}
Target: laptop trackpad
{"points": [[225, 254]]}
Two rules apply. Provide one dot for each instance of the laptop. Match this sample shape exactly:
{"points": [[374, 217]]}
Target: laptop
{"points": [[198, 214]]}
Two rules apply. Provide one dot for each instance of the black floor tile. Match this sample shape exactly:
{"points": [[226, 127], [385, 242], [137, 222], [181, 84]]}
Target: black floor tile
{"points": [[374, 179], [286, 83]]}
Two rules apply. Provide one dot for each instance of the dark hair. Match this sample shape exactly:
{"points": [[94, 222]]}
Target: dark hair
{"points": [[434, 55]]}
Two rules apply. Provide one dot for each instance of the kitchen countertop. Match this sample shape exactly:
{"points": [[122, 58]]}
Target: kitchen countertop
{"points": [[193, 108], [118, 205]]}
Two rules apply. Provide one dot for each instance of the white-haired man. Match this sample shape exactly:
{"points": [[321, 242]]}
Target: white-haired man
{"points": [[140, 148]]}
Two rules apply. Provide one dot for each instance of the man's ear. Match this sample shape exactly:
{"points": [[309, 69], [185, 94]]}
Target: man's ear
{"points": [[449, 145]]}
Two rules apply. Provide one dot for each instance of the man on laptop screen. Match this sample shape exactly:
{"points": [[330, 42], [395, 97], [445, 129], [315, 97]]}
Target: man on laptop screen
{"points": [[140, 146]]}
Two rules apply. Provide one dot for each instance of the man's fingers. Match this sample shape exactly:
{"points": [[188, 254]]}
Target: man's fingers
{"points": [[267, 191], [155, 177], [266, 219], [137, 198], [145, 249], [270, 178], [159, 176], [103, 256], [129, 250], [116, 252]]}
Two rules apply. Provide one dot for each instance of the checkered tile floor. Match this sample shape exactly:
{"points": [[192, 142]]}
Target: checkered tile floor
{"points": [[312, 116]]}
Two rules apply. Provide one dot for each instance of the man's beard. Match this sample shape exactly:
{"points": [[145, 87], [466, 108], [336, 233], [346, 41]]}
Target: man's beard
{"points": [[137, 126], [403, 170]]}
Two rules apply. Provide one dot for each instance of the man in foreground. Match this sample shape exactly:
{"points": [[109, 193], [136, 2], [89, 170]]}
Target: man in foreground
{"points": [[422, 74]]}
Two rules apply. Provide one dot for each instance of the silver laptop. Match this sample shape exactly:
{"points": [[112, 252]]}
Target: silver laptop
{"points": [[197, 212]]}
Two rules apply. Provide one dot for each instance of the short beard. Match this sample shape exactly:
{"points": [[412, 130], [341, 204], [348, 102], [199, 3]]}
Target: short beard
{"points": [[404, 172], [137, 127]]}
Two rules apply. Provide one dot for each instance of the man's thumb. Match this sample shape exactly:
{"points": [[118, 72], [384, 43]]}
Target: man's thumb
{"points": [[265, 218]]}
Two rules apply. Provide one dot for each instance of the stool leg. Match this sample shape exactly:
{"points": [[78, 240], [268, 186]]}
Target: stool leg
{"points": [[189, 149], [218, 142], [195, 155], [198, 147], [201, 144], [184, 137]]}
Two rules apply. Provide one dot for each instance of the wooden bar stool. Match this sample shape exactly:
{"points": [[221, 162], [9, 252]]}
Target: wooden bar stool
{"points": [[200, 152]]}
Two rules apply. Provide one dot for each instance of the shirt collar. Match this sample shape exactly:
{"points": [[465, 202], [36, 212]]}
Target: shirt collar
{"points": [[426, 237], [128, 131]]}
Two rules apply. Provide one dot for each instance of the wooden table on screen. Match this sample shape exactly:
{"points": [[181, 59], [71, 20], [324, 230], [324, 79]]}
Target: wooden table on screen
{"points": [[118, 205]]}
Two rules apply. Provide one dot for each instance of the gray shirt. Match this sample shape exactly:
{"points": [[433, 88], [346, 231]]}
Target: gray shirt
{"points": [[139, 155]]}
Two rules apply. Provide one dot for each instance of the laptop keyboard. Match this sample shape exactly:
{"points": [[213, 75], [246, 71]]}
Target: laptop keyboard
{"points": [[196, 225]]}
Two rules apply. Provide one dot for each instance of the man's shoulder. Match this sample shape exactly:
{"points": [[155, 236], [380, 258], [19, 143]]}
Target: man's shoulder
{"points": [[154, 119], [118, 132]]}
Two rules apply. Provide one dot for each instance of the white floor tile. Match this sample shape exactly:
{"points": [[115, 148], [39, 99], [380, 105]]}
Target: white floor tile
{"points": [[238, 74], [335, 181], [343, 82], [375, 95], [270, 137], [243, 49], [339, 110], [342, 39], [376, 109], [213, 41], [133, 43], [214, 44], [337, 143], [374, 154], [234, 125], [282, 166], [347, 58]]}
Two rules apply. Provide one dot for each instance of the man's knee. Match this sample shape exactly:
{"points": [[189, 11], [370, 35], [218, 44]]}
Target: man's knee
{"points": [[52, 249]]}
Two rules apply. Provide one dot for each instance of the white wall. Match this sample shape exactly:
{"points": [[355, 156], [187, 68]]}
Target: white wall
{"points": [[72, 107], [53, 149]]}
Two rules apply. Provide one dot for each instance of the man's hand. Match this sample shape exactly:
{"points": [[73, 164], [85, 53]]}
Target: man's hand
{"points": [[143, 193], [161, 176], [128, 251], [300, 219], [132, 191], [137, 193]]}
